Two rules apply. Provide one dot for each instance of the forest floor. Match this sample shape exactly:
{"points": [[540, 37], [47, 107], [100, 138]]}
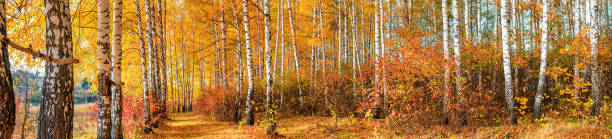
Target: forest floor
{"points": [[193, 125]]}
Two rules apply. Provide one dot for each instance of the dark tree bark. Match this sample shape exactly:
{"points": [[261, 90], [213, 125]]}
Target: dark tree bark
{"points": [[57, 106], [7, 94]]}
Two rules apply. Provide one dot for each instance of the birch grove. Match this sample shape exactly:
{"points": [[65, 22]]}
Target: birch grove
{"points": [[373, 68]]}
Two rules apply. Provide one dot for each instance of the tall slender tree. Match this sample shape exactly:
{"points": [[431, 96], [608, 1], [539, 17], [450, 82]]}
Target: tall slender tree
{"points": [[542, 76], [104, 71], [116, 106], [154, 84], [268, 54], [239, 74], [295, 57], [377, 68], [223, 49], [143, 53], [250, 118], [595, 77], [506, 60], [445, 43]]}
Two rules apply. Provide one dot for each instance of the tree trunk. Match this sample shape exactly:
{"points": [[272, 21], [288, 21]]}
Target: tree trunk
{"points": [[595, 77], [313, 51], [26, 106], [116, 106], [268, 54], [445, 43], [223, 49], [542, 76], [153, 71], [339, 57], [377, 111], [163, 80], [183, 78], [104, 69], [467, 20], [457, 58], [355, 59], [7, 103], [506, 61], [295, 56], [239, 74], [143, 58], [57, 106], [250, 118]]}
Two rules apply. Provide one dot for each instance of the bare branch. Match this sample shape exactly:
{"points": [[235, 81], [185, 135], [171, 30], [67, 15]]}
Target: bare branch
{"points": [[36, 54]]}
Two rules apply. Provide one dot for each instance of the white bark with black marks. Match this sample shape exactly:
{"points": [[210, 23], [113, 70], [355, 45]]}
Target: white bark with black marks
{"points": [[116, 104], [542, 76], [250, 118], [506, 60]]}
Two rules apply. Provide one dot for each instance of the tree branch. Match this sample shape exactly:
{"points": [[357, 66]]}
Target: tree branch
{"points": [[36, 54]]}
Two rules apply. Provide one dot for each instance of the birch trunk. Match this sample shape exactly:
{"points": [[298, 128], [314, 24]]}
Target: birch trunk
{"points": [[595, 77], [7, 104], [153, 71], [295, 56], [250, 118], [239, 74], [268, 54], [346, 32], [506, 60], [467, 20], [143, 58], [445, 43], [339, 63], [162, 60], [116, 106], [313, 52], [542, 76], [377, 61], [57, 106], [457, 58], [223, 49], [104, 69]]}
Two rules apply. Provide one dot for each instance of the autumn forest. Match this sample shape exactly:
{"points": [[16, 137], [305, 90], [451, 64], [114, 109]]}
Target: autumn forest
{"points": [[305, 69]]}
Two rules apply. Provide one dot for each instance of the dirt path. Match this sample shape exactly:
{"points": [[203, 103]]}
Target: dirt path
{"points": [[191, 125]]}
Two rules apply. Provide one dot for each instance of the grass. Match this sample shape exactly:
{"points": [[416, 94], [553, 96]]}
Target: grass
{"points": [[194, 125]]}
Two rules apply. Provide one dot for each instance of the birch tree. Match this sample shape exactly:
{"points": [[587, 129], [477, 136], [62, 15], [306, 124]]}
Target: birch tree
{"points": [[7, 103], [57, 106], [239, 73], [377, 61], [250, 118], [143, 51], [153, 64], [542, 76], [506, 60], [116, 106], [223, 49], [339, 63], [162, 59], [295, 56], [595, 77], [467, 20], [104, 69], [268, 54], [445, 44]]}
